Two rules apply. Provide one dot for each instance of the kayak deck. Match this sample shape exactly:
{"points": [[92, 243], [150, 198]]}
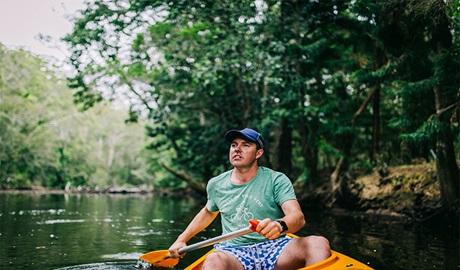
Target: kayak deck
{"points": [[337, 261]]}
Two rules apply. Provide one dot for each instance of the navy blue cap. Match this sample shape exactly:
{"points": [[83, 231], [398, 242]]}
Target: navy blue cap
{"points": [[249, 134]]}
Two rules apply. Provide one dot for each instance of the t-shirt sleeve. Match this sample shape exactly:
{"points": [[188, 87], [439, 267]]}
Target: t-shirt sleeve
{"points": [[211, 204], [284, 191]]}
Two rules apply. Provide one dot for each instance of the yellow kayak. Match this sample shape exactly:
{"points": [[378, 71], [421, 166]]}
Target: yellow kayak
{"points": [[337, 261]]}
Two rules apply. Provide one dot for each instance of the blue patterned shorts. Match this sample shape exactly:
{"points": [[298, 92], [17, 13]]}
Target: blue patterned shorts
{"points": [[260, 256]]}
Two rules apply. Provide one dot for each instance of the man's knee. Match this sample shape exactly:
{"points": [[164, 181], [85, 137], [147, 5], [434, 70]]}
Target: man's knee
{"points": [[316, 249], [304, 251], [220, 260], [213, 259], [215, 256], [315, 241]]}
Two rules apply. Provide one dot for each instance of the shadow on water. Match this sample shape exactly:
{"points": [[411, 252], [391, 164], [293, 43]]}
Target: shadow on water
{"points": [[76, 231]]}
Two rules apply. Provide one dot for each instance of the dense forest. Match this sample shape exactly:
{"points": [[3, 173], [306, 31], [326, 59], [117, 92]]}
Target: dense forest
{"points": [[333, 86]]}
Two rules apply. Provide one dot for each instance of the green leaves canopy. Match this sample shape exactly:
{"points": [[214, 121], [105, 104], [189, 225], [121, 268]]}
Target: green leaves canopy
{"points": [[301, 72]]}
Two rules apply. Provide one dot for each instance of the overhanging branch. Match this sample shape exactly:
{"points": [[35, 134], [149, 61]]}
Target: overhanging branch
{"points": [[181, 174]]}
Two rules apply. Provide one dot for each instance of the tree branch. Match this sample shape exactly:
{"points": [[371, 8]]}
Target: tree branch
{"points": [[181, 174], [363, 106]]}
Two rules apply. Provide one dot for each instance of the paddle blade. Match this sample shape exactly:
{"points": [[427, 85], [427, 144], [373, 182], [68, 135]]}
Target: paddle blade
{"points": [[159, 258]]}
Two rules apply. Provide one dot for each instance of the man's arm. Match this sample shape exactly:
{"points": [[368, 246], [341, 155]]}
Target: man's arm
{"points": [[293, 217], [199, 223]]}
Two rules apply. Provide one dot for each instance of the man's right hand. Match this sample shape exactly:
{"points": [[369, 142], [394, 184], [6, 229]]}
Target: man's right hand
{"points": [[174, 249]]}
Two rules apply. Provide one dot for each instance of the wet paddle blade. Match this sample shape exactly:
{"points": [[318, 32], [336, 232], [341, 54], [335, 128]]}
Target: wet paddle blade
{"points": [[159, 258]]}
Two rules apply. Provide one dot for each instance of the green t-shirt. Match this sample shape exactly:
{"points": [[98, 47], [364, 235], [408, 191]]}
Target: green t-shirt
{"points": [[260, 198]]}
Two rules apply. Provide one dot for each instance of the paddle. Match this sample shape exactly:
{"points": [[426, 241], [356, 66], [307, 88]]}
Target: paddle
{"points": [[161, 257]]}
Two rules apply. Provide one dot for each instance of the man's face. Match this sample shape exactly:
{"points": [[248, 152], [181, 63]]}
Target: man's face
{"points": [[244, 153]]}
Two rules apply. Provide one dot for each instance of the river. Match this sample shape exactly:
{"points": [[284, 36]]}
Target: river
{"points": [[89, 231]]}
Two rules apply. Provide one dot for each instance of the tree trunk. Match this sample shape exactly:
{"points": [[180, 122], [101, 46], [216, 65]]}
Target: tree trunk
{"points": [[285, 148], [309, 147], [376, 124], [380, 60], [336, 183], [446, 165], [445, 91]]}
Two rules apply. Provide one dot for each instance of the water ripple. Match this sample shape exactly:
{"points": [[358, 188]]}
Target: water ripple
{"points": [[55, 221]]}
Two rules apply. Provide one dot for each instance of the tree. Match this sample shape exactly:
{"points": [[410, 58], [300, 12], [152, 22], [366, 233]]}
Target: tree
{"points": [[191, 95], [46, 141], [303, 72], [426, 26], [247, 65]]}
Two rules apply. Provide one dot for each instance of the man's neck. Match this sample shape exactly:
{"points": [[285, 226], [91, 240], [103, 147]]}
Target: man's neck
{"points": [[244, 175]]}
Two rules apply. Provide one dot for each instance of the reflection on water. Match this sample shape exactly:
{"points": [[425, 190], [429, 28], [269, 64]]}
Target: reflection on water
{"points": [[62, 221], [99, 266], [73, 231], [57, 230]]}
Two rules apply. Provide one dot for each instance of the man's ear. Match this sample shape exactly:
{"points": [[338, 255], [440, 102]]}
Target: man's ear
{"points": [[259, 153]]}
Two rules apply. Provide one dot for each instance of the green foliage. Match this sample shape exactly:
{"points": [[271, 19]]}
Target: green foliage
{"points": [[426, 134], [321, 80], [45, 141], [314, 72]]}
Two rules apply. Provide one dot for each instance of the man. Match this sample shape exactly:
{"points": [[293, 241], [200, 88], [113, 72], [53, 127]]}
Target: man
{"points": [[250, 191]]}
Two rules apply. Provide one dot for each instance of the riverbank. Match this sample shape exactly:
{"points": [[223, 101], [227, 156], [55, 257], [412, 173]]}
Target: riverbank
{"points": [[409, 192], [107, 190]]}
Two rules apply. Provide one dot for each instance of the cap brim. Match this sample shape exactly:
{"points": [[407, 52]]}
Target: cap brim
{"points": [[232, 134]]}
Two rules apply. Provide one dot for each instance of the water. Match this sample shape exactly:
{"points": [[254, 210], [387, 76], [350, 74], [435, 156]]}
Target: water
{"points": [[74, 231]]}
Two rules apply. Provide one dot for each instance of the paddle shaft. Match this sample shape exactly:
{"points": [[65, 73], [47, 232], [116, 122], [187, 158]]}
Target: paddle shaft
{"points": [[215, 240], [162, 258]]}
